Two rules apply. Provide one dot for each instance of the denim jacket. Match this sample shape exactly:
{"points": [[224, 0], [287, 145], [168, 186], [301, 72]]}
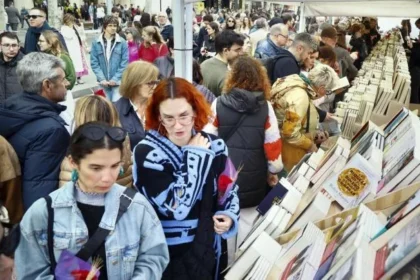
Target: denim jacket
{"points": [[136, 247], [114, 68]]}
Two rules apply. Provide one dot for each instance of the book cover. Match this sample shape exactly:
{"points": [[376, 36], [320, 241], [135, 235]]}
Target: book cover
{"points": [[275, 196], [352, 185], [406, 240]]}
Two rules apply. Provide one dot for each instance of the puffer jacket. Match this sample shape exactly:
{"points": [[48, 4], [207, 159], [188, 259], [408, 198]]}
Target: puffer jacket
{"points": [[9, 81], [32, 125], [266, 48], [246, 142], [125, 180], [291, 98]]}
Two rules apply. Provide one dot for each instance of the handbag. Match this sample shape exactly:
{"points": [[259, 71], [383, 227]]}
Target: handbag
{"points": [[97, 239]]}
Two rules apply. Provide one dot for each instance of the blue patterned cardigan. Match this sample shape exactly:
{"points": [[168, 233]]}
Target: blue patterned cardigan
{"points": [[175, 179]]}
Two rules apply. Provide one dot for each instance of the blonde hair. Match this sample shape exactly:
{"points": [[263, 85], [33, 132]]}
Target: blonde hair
{"points": [[137, 73], [51, 38], [68, 19], [323, 75], [95, 108], [153, 32]]}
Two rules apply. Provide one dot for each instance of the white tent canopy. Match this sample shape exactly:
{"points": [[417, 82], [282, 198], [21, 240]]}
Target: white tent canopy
{"points": [[377, 8]]}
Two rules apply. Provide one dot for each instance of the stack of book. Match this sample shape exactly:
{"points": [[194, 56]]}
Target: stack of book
{"points": [[376, 240], [383, 80]]}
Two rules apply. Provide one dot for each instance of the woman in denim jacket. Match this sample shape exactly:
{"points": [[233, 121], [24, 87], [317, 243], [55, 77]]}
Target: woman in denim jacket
{"points": [[135, 247]]}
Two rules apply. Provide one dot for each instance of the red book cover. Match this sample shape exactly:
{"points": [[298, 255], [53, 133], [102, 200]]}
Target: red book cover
{"points": [[381, 256], [288, 269]]}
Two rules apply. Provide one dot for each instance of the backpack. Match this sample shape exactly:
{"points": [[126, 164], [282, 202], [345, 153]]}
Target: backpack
{"points": [[270, 63]]}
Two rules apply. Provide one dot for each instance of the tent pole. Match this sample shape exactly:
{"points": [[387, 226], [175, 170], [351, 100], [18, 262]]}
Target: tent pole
{"points": [[302, 19], [188, 55], [179, 37]]}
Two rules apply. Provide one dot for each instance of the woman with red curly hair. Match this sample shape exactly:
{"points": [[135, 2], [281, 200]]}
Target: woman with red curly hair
{"points": [[246, 121], [176, 167]]}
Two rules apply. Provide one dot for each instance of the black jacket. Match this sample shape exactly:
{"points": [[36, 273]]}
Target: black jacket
{"points": [[32, 125], [286, 66], [130, 121], [246, 145], [200, 40], [32, 36], [167, 32], [9, 82], [359, 45]]}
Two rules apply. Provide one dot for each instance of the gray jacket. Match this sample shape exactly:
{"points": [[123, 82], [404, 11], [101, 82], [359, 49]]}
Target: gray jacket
{"points": [[9, 82], [13, 15], [346, 63]]}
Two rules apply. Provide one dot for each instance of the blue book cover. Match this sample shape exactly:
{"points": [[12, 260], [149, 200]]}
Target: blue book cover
{"points": [[276, 195]]}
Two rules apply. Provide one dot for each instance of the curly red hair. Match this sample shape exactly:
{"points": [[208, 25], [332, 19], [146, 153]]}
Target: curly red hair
{"points": [[249, 74], [177, 88]]}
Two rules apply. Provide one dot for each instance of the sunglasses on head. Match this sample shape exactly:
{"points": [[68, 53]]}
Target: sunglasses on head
{"points": [[34, 16], [96, 133]]}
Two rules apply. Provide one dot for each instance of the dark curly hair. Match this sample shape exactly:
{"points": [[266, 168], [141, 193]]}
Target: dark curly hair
{"points": [[249, 74]]}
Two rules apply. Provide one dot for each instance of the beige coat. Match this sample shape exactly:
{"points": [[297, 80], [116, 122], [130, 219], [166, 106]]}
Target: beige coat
{"points": [[125, 180], [292, 100], [10, 182]]}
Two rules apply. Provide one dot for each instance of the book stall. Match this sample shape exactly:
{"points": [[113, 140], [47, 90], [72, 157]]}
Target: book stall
{"points": [[349, 211], [381, 88]]}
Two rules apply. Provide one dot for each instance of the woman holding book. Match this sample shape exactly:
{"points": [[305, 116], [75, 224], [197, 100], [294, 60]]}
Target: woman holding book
{"points": [[245, 120], [292, 98], [178, 169]]}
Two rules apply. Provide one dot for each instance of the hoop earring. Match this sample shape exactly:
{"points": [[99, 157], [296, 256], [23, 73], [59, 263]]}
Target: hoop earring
{"points": [[74, 175], [121, 171]]}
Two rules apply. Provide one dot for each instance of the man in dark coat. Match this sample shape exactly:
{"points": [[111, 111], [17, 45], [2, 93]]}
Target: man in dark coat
{"points": [[166, 28], [10, 55], [13, 16], [38, 24], [31, 123]]}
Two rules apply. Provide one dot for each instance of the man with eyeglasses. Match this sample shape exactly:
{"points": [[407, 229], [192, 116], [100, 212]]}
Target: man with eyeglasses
{"points": [[37, 25], [31, 123], [274, 43], [10, 55]]}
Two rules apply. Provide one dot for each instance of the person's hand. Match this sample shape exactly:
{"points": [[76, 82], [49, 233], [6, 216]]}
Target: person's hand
{"points": [[222, 223], [104, 83], [313, 148], [354, 55], [199, 141], [203, 51], [272, 179], [329, 116], [112, 83]]}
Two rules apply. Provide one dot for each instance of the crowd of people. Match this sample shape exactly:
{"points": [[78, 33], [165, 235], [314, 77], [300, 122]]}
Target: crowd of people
{"points": [[137, 175]]}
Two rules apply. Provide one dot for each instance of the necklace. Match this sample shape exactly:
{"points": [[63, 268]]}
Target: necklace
{"points": [[88, 193]]}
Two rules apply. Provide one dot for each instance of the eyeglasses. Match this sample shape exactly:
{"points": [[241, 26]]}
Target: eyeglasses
{"points": [[127, 32], [171, 121], [35, 16], [153, 83], [96, 133], [285, 37], [11, 46]]}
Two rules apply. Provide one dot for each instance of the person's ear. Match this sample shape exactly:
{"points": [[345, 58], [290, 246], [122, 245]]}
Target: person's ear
{"points": [[73, 164]]}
